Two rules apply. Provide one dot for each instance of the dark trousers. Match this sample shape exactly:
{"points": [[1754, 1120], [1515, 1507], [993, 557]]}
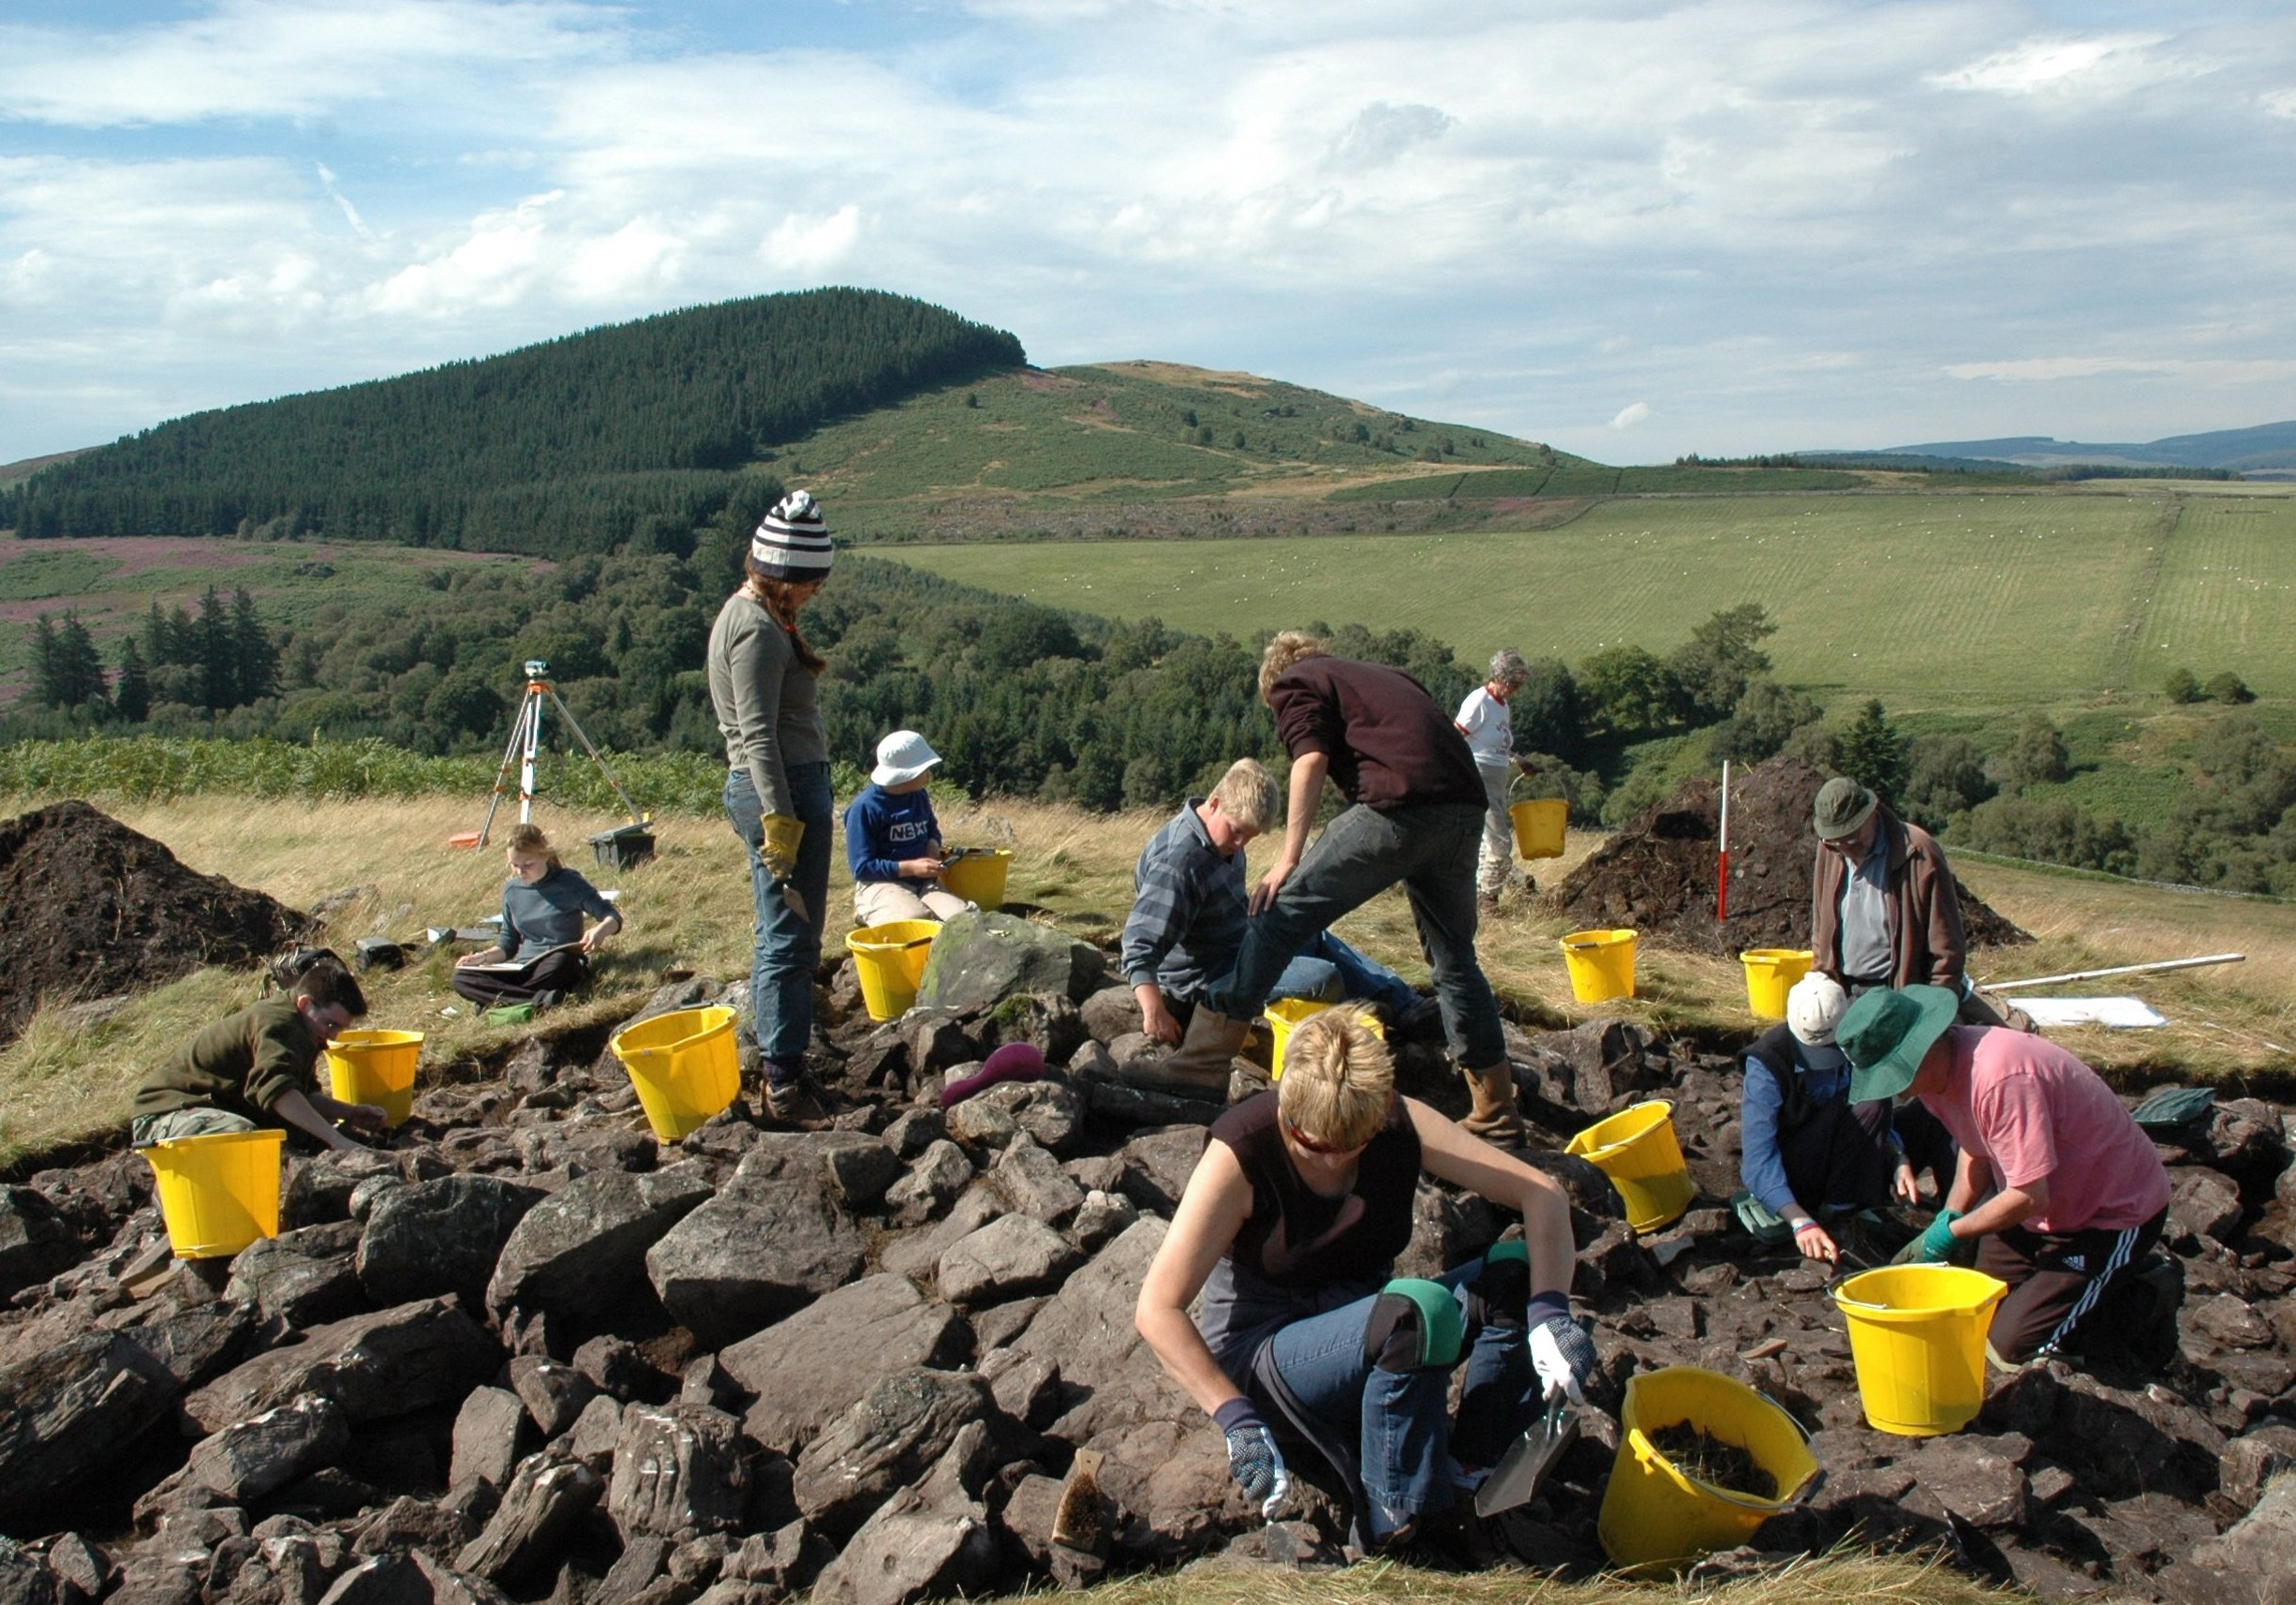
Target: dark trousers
{"points": [[2056, 1281], [1428, 847], [561, 972]]}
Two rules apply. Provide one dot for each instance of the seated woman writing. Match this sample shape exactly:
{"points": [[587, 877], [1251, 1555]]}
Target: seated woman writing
{"points": [[544, 952], [1290, 1227]]}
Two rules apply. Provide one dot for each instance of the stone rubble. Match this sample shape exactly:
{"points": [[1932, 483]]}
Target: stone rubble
{"points": [[529, 1353]]}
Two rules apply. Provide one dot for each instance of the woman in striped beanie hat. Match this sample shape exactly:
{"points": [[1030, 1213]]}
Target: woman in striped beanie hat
{"points": [[761, 684]]}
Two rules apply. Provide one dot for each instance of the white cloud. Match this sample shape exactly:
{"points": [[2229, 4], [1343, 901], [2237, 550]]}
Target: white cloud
{"points": [[806, 245], [1631, 414], [496, 262], [2112, 63], [278, 58], [1785, 215], [2044, 370], [1381, 133], [350, 213], [638, 256]]}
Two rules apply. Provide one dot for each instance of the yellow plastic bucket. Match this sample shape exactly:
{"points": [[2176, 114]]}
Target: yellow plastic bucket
{"points": [[1538, 826], [890, 959], [376, 1067], [1656, 1514], [1602, 964], [684, 1065], [1637, 1149], [218, 1192], [1916, 1334], [1770, 973], [978, 877], [1286, 1014]]}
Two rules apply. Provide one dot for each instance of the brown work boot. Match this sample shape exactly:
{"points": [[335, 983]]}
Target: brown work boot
{"points": [[1199, 1066], [1494, 1117]]}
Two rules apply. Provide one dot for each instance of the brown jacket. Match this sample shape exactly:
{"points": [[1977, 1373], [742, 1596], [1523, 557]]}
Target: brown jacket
{"points": [[1926, 945]]}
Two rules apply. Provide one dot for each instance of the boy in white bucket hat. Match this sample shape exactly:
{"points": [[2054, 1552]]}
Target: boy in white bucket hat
{"points": [[893, 841], [1805, 1151]]}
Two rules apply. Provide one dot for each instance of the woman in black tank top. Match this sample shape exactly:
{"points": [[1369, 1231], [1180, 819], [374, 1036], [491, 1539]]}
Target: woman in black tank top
{"points": [[1290, 1227]]}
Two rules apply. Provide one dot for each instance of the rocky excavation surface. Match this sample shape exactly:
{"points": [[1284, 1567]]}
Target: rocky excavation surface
{"points": [[529, 1352], [1657, 875], [94, 910]]}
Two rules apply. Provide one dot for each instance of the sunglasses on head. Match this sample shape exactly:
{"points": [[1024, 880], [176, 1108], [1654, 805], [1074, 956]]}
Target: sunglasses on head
{"points": [[1312, 1146]]}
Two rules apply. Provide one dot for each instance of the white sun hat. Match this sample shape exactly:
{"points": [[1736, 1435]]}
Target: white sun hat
{"points": [[1812, 1009], [903, 756]]}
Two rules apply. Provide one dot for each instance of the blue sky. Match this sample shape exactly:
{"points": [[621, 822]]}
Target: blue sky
{"points": [[1630, 227]]}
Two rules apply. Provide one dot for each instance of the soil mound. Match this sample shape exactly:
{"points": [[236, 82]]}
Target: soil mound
{"points": [[89, 908], [1657, 875]]}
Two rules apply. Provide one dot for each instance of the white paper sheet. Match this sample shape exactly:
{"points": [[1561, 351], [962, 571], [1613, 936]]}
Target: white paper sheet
{"points": [[2121, 1014]]}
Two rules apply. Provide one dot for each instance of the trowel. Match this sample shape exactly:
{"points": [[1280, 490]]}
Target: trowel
{"points": [[1516, 1478]]}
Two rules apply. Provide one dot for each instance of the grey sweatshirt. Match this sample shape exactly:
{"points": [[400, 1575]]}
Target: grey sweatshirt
{"points": [[765, 700]]}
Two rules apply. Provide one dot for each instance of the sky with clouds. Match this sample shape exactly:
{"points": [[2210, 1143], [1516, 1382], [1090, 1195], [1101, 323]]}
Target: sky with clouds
{"points": [[1631, 228]]}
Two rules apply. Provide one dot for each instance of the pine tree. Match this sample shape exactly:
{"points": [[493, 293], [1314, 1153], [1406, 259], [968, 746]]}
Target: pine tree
{"points": [[65, 663], [131, 698], [255, 658], [214, 657], [1870, 751]]}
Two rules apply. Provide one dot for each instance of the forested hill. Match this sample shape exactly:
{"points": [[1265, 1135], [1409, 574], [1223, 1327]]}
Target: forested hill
{"points": [[578, 444]]}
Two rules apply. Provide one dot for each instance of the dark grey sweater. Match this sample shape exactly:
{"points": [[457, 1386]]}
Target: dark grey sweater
{"points": [[765, 700]]}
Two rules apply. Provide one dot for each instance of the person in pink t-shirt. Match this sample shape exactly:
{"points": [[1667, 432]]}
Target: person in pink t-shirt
{"points": [[2060, 1191]]}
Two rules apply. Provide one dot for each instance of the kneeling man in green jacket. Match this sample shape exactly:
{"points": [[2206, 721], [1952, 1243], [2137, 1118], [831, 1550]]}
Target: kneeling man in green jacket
{"points": [[255, 1069]]}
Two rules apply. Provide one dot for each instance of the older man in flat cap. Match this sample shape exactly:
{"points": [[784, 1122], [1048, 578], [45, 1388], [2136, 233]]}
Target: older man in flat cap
{"points": [[1884, 909]]}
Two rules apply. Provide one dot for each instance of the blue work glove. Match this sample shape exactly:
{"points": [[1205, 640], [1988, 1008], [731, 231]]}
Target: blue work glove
{"points": [[1253, 1459], [1561, 1351], [1935, 1246]]}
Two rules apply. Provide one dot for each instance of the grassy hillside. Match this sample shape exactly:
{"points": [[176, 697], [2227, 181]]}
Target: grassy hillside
{"points": [[1978, 603], [65, 1080], [1145, 448], [1120, 431]]}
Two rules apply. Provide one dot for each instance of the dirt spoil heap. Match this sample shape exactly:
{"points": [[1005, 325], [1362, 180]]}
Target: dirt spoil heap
{"points": [[1658, 874], [90, 909]]}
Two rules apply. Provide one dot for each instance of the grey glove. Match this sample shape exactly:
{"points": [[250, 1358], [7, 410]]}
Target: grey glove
{"points": [[1561, 1351], [1253, 1459]]}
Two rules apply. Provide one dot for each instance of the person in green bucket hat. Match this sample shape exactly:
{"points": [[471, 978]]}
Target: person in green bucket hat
{"points": [[2060, 1191]]}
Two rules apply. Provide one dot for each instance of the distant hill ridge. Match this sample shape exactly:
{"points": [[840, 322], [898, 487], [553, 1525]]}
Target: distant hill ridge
{"points": [[573, 445], [2263, 446]]}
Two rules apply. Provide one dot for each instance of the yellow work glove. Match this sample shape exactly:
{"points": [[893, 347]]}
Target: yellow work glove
{"points": [[779, 850]]}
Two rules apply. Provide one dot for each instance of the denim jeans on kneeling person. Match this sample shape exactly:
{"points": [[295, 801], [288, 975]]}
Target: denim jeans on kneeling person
{"points": [[787, 949], [1331, 972], [1409, 1454], [1430, 848]]}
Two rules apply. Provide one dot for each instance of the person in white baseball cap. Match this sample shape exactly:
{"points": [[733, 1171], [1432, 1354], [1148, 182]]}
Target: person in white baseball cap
{"points": [[893, 839], [1806, 1151]]}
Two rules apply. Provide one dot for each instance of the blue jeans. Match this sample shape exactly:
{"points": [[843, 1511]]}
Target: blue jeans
{"points": [[1407, 1451], [788, 949], [1330, 971], [1430, 848]]}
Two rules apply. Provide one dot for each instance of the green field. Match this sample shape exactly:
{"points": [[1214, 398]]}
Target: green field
{"points": [[1976, 603]]}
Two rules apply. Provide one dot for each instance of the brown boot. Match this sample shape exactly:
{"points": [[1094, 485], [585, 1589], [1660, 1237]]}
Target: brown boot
{"points": [[1494, 1117], [1199, 1066]]}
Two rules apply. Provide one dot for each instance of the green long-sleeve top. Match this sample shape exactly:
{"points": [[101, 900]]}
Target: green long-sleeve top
{"points": [[245, 1063], [765, 700]]}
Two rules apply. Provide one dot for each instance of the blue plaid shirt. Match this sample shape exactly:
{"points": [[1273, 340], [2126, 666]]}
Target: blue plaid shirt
{"points": [[1187, 911]]}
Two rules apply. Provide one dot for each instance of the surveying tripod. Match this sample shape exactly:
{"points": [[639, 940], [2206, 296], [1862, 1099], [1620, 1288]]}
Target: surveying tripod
{"points": [[525, 740]]}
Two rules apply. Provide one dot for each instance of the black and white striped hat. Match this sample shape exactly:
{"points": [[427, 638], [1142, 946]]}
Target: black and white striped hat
{"points": [[792, 543]]}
